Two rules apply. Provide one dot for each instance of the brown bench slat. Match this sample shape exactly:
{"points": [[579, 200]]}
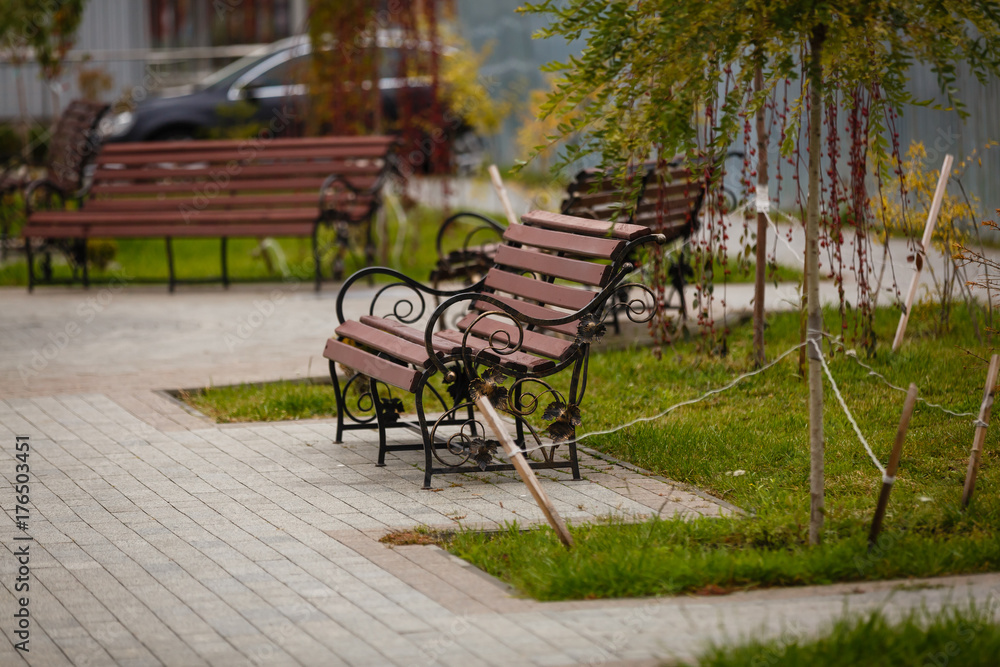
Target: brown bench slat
{"points": [[575, 270], [182, 147], [531, 310], [244, 153], [220, 201], [537, 343], [602, 198], [538, 290], [383, 370], [574, 244], [516, 361], [450, 342], [410, 334], [54, 231], [175, 216], [577, 225], [122, 186], [68, 231], [675, 190], [384, 342], [651, 193], [239, 173]]}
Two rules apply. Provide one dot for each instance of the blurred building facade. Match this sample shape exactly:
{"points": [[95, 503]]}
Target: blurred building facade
{"points": [[125, 44], [152, 44]]}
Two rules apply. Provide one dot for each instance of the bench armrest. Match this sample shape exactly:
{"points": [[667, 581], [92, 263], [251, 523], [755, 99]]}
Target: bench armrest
{"points": [[43, 184], [481, 225], [407, 309], [372, 192]]}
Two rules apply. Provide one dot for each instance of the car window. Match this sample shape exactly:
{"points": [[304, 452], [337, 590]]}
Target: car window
{"points": [[225, 77], [289, 72]]}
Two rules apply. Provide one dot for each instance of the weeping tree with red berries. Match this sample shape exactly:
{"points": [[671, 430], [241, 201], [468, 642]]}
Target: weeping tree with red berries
{"points": [[661, 78], [352, 40]]}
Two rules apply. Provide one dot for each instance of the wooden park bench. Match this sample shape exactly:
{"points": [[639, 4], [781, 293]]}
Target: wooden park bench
{"points": [[71, 147], [516, 323], [467, 242], [221, 189]]}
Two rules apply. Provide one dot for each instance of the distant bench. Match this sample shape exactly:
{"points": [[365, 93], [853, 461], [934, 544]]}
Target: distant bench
{"points": [[667, 202], [71, 148], [222, 189]]}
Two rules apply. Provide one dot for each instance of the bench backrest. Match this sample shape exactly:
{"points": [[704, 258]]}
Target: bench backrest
{"points": [[667, 203], [240, 173], [580, 254], [73, 143]]}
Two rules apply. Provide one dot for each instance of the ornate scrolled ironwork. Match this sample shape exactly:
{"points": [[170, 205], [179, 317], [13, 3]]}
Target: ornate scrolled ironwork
{"points": [[638, 309], [398, 280], [365, 403]]}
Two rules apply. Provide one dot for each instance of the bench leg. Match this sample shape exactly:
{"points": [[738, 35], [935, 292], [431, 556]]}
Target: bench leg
{"points": [[339, 397], [424, 432], [519, 423], [225, 267], [31, 264], [316, 265], [82, 250], [574, 459], [380, 420], [678, 271], [170, 264]]}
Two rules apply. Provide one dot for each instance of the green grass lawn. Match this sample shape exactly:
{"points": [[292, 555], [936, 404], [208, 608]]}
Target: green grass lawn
{"points": [[760, 427], [964, 636], [145, 260]]}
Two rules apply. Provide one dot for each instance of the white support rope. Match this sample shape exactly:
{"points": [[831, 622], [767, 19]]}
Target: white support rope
{"points": [[843, 404], [781, 236], [701, 398], [872, 372]]}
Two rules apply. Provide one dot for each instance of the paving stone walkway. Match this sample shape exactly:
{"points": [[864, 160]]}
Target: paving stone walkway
{"points": [[161, 538]]}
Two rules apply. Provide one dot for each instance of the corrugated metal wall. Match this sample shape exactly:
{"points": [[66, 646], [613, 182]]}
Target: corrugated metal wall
{"points": [[107, 25]]}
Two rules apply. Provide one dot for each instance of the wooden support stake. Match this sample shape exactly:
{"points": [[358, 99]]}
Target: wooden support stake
{"points": [[524, 470], [890, 472], [925, 242], [502, 193], [984, 419]]}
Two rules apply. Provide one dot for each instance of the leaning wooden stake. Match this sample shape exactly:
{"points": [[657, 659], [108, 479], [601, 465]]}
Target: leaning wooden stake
{"points": [[925, 243], [890, 472], [523, 469], [984, 419], [502, 193]]}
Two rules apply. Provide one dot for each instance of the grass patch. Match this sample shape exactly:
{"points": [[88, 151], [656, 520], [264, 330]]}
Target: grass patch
{"points": [[955, 636], [145, 260], [272, 401], [760, 427]]}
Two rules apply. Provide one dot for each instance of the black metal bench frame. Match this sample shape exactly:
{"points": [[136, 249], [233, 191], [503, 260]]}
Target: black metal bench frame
{"points": [[476, 358]]}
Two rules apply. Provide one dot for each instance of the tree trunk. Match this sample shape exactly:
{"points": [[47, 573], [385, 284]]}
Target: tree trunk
{"points": [[758, 291], [815, 320]]}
